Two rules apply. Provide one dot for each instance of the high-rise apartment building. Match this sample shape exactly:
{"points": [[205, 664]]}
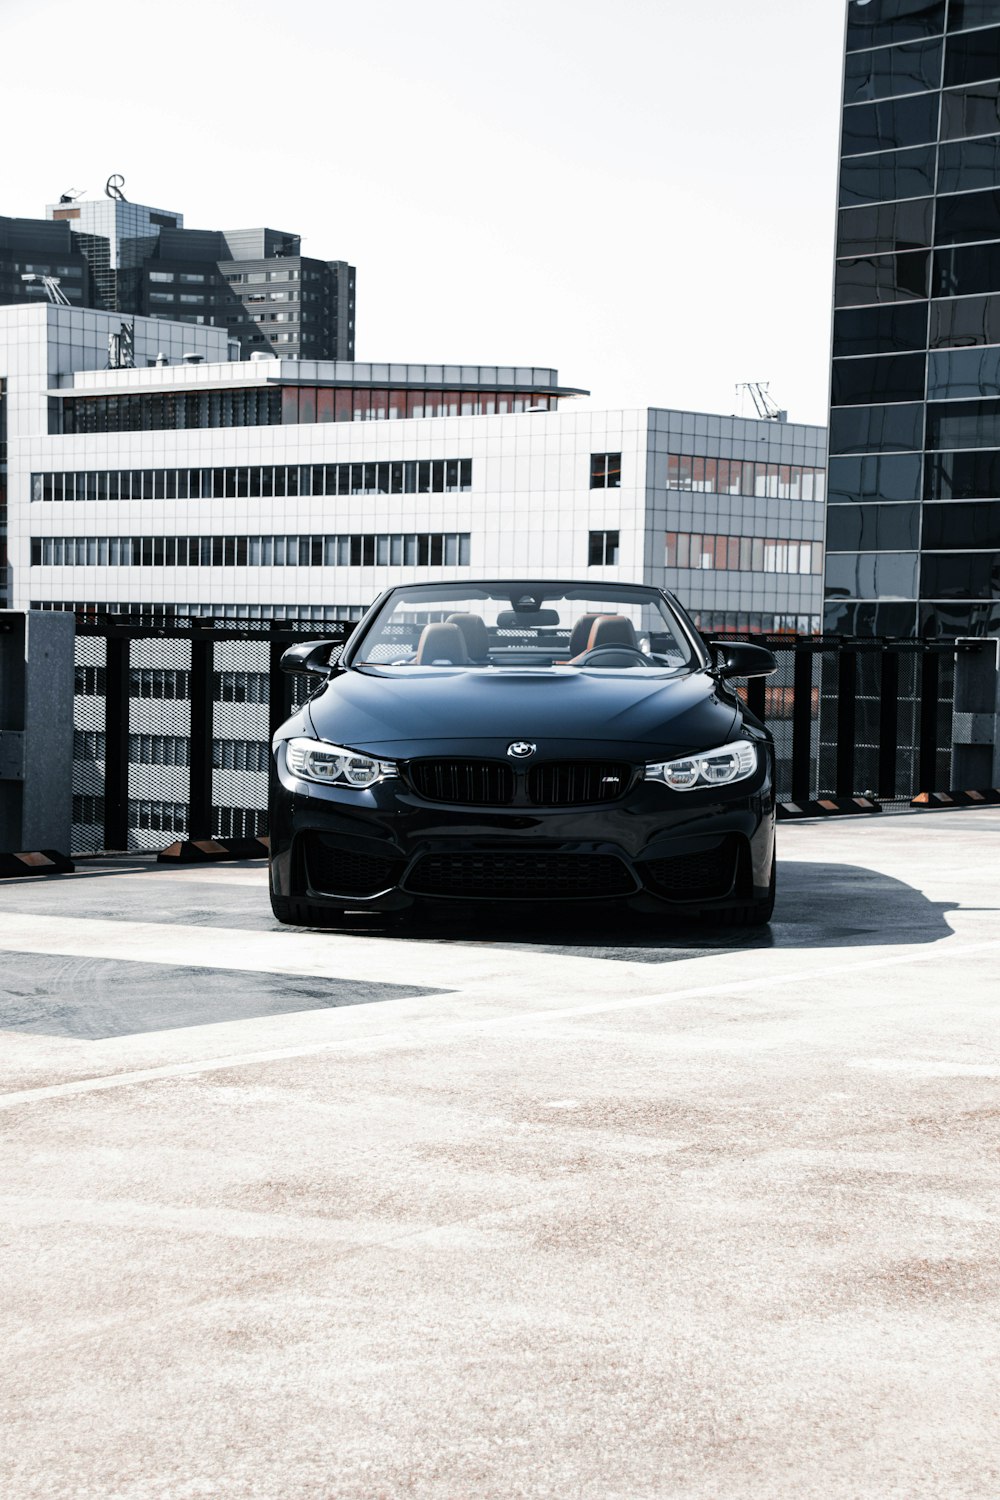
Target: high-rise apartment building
{"points": [[913, 525], [132, 259]]}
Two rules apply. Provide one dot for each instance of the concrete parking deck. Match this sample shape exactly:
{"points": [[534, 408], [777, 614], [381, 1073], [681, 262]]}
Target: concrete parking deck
{"points": [[593, 1210]]}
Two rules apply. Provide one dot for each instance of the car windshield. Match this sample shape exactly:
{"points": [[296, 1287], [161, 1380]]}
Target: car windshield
{"points": [[525, 625]]}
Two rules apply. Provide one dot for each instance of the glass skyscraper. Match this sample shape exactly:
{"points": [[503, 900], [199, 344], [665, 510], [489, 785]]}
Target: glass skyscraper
{"points": [[913, 526]]}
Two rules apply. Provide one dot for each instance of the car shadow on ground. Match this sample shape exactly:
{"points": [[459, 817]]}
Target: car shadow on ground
{"points": [[819, 905]]}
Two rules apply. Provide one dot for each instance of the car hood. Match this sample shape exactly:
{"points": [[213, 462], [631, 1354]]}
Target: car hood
{"points": [[481, 712]]}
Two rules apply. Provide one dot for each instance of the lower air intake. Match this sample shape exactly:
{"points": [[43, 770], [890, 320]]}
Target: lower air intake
{"points": [[520, 876], [692, 877], [341, 872]]}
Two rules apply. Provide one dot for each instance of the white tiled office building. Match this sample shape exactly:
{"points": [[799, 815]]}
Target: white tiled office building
{"points": [[199, 485]]}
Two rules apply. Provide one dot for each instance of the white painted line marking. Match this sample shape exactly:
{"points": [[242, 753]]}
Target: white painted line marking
{"points": [[425, 1032]]}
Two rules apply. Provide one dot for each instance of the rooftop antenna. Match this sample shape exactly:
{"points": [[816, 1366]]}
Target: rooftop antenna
{"points": [[763, 404], [53, 290], [113, 187]]}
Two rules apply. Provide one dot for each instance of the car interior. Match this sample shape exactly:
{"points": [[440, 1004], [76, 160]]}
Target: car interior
{"points": [[538, 637]]}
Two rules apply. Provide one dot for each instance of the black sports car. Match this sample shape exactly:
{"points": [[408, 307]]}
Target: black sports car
{"points": [[523, 740]]}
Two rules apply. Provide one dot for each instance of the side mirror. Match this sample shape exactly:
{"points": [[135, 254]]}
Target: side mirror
{"points": [[740, 659], [311, 656]]}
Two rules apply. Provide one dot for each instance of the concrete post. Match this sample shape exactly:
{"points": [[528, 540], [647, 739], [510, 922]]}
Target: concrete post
{"points": [[975, 730], [36, 730]]}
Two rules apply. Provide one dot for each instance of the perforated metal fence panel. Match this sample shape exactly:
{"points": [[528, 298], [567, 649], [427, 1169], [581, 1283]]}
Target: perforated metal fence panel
{"points": [[173, 722], [173, 726], [857, 717]]}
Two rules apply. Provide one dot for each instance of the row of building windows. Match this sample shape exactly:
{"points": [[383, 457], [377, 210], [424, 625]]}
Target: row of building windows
{"points": [[425, 476], [174, 750], [236, 278], [273, 406], [173, 683], [171, 817], [172, 611], [357, 550], [754, 622], [733, 476], [741, 554]]}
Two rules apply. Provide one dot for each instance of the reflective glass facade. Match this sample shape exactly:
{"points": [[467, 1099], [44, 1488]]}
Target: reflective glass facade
{"points": [[913, 525]]}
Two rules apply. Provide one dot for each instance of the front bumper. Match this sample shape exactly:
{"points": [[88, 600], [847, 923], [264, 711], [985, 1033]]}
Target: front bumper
{"points": [[385, 848]]}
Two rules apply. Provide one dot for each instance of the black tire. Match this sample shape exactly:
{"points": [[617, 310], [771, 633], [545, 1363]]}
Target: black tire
{"points": [[754, 913], [305, 913]]}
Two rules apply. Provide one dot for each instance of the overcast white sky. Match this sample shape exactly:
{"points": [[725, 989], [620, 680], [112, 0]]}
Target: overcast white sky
{"points": [[640, 193]]}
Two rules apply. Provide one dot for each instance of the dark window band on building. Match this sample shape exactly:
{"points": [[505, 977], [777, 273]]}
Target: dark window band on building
{"points": [[873, 528], [157, 816], [425, 476], [741, 554], [88, 809], [964, 14], [890, 124], [974, 110], [964, 322], [882, 278], [969, 524], [871, 575], [963, 424], [734, 476], [363, 549], [879, 378], [960, 575], [971, 57], [272, 406], [888, 72], [892, 477], [876, 429], [92, 679], [888, 175], [602, 549], [963, 476], [880, 330], [605, 471], [886, 228], [159, 749], [239, 755], [893, 21]]}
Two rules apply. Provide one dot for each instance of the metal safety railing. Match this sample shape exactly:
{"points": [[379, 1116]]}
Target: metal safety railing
{"points": [[857, 717], [173, 722]]}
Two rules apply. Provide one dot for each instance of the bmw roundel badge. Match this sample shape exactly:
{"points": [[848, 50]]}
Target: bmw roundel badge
{"points": [[521, 749]]}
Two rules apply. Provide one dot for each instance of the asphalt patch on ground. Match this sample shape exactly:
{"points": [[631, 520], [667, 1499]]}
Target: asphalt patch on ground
{"points": [[96, 998]]}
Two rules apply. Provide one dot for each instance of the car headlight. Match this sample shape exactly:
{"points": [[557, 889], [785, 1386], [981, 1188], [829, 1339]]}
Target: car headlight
{"points": [[720, 767], [317, 760]]}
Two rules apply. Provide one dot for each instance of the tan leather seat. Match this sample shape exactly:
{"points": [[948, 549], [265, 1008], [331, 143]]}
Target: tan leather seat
{"points": [[477, 637], [612, 630], [580, 634], [441, 645]]}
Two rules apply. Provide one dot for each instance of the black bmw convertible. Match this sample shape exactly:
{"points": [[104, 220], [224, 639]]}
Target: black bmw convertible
{"points": [[524, 740]]}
